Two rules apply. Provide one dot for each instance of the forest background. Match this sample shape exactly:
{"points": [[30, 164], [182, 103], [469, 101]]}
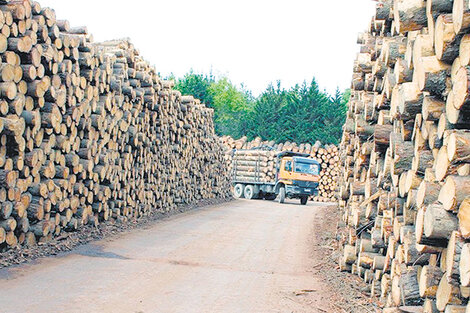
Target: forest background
{"points": [[302, 114]]}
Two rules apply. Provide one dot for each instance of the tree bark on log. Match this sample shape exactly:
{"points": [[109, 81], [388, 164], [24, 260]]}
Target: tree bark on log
{"points": [[409, 15]]}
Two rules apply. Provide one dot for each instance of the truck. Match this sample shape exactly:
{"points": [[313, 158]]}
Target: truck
{"points": [[264, 174]]}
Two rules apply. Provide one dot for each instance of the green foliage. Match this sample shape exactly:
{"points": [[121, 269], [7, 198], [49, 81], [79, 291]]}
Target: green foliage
{"points": [[196, 85], [300, 114], [231, 106]]}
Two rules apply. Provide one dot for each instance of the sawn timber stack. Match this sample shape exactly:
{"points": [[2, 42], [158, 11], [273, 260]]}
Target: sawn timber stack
{"points": [[89, 133], [405, 187]]}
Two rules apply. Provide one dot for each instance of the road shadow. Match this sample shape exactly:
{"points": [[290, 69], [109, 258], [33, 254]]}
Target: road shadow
{"points": [[96, 251]]}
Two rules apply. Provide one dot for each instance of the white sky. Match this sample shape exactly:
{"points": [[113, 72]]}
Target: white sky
{"points": [[253, 42]]}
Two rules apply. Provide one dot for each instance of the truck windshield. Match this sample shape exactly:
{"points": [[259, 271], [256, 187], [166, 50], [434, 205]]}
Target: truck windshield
{"points": [[307, 168]]}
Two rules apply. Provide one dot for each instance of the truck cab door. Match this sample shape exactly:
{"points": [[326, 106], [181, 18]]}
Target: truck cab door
{"points": [[286, 170]]}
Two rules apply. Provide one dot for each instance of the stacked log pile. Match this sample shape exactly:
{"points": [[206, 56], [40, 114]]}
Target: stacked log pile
{"points": [[89, 133], [405, 184], [327, 155], [253, 166]]}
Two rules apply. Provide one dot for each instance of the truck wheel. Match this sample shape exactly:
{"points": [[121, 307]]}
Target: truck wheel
{"points": [[249, 192], [304, 200], [282, 194], [238, 191]]}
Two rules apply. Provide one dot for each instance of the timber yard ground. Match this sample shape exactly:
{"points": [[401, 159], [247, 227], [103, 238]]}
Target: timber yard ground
{"points": [[239, 256]]}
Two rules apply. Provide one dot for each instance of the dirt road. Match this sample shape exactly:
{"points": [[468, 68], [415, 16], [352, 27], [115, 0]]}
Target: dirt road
{"points": [[242, 256]]}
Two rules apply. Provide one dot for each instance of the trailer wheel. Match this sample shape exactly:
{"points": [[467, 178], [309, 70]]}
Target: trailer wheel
{"points": [[303, 200], [282, 194], [249, 192], [238, 191]]}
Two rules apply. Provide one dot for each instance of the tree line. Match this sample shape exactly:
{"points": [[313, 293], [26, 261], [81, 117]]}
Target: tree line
{"points": [[302, 113]]}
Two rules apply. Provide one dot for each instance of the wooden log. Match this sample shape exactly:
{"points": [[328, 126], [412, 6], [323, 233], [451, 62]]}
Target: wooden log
{"points": [[403, 73], [427, 194], [383, 10], [439, 6], [405, 288], [454, 192], [349, 254], [423, 46], [432, 108], [446, 42], [446, 294], [464, 266], [366, 259], [454, 249], [402, 156], [458, 146], [452, 308], [432, 75], [460, 15], [410, 100], [423, 159], [409, 15], [357, 188], [429, 281], [382, 135], [429, 306], [464, 54], [439, 223], [363, 129], [464, 218], [460, 88]]}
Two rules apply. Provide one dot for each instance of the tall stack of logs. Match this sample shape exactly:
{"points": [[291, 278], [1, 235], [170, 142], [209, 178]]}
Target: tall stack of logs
{"points": [[405, 187], [327, 155], [89, 133]]}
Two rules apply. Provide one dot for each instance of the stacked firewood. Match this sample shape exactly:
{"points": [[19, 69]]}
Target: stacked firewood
{"points": [[89, 133], [405, 184], [327, 155]]}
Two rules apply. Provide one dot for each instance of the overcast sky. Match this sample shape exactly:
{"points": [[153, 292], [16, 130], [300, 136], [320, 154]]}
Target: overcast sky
{"points": [[253, 42]]}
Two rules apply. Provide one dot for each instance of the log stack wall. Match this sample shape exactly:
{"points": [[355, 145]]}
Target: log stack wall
{"points": [[405, 183], [89, 133]]}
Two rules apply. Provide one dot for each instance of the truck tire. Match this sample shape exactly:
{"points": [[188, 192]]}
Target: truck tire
{"points": [[249, 192], [303, 200], [282, 194], [238, 191]]}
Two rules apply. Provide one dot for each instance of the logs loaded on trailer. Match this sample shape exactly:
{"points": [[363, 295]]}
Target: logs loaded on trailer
{"points": [[89, 133], [326, 155], [254, 165], [404, 187]]}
